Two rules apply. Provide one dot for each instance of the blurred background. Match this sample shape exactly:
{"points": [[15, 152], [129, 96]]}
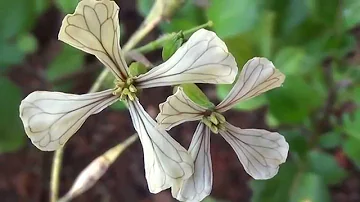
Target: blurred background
{"points": [[314, 42]]}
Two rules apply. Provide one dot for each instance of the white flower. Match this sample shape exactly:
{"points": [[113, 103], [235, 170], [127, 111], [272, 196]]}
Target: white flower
{"points": [[51, 118], [260, 151]]}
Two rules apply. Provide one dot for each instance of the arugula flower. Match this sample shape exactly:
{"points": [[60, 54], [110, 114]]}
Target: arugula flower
{"points": [[51, 118], [260, 151]]}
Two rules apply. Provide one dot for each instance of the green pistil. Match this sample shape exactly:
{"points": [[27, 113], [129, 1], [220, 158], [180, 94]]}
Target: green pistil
{"points": [[125, 90], [215, 121]]}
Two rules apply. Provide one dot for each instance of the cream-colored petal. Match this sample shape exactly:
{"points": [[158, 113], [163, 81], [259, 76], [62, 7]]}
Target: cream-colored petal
{"points": [[199, 185], [166, 161], [203, 59], [177, 109], [259, 151], [258, 76], [94, 28], [51, 118]]}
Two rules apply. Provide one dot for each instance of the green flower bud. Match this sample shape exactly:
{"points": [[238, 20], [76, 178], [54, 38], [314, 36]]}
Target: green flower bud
{"points": [[214, 129], [213, 119], [129, 81], [137, 68], [206, 122], [219, 117], [131, 96], [171, 46], [132, 88]]}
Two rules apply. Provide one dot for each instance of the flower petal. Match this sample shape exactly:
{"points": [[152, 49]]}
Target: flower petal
{"points": [[259, 151], [94, 28], [199, 185], [178, 109], [258, 76], [51, 118], [203, 59], [166, 161]]}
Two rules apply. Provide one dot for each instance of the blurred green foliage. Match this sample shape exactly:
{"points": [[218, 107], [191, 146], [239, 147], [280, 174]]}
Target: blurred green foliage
{"points": [[17, 19], [11, 129], [307, 40], [298, 36]]}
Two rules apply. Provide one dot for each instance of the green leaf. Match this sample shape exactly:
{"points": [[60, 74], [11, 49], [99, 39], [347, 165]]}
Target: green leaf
{"points": [[295, 14], [171, 46], [12, 136], [137, 68], [196, 95], [233, 17], [66, 6], [27, 43], [356, 95], [310, 187], [241, 47], [10, 55], [277, 188], [327, 167], [330, 140], [16, 17], [304, 33], [187, 17], [264, 34], [352, 124], [41, 6], [118, 106], [13, 52], [212, 199], [295, 101], [297, 141], [290, 14], [271, 121], [209, 199], [352, 150], [251, 104], [351, 13], [144, 6], [324, 11], [69, 60], [291, 60]]}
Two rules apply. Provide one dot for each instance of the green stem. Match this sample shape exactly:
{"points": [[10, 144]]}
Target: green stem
{"points": [[55, 175], [194, 29], [160, 41]]}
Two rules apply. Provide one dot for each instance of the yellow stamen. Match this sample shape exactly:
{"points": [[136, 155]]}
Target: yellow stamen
{"points": [[132, 88], [213, 119], [214, 129]]}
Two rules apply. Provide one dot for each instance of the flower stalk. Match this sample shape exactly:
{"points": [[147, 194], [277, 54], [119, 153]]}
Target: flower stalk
{"points": [[96, 169]]}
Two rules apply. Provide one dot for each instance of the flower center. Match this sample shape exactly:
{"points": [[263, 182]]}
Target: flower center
{"points": [[125, 90], [215, 121]]}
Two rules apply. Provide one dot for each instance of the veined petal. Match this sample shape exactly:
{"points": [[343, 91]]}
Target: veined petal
{"points": [[94, 28], [166, 161], [51, 118], [258, 76], [203, 59], [259, 151], [177, 109], [199, 185]]}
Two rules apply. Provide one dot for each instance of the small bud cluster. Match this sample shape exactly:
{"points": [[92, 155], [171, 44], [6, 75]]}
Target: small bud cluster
{"points": [[125, 90], [215, 121]]}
